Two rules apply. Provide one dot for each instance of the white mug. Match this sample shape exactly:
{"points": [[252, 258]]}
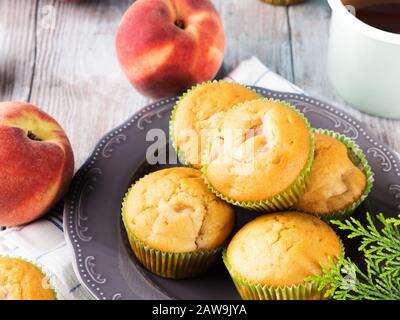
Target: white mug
{"points": [[363, 61]]}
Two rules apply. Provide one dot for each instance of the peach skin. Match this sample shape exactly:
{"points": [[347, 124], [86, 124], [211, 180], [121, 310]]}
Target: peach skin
{"points": [[166, 46], [36, 163]]}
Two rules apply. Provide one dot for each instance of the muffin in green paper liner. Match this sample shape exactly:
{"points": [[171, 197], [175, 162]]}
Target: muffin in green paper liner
{"points": [[261, 155], [341, 177], [196, 113], [21, 279], [272, 257], [175, 225]]}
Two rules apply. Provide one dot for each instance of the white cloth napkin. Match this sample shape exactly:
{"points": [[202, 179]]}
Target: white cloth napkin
{"points": [[253, 72], [43, 241]]}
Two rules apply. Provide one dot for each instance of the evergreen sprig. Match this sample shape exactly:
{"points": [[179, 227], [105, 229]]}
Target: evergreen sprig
{"points": [[380, 245]]}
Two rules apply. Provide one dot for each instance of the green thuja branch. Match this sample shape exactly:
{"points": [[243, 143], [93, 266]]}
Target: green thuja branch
{"points": [[380, 245]]}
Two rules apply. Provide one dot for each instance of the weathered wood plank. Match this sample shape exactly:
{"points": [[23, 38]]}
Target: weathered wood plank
{"points": [[17, 48], [259, 29], [309, 25]]}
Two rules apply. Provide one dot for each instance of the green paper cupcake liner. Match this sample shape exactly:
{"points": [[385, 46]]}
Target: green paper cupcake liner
{"points": [[173, 265], [181, 156], [179, 153], [50, 282], [285, 199], [249, 290], [358, 158], [282, 2]]}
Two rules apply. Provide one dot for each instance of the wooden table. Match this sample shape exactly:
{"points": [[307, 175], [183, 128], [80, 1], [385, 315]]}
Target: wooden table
{"points": [[60, 56]]}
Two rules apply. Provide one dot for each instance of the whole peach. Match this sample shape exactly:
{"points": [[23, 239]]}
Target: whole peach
{"points": [[166, 46], [36, 163]]}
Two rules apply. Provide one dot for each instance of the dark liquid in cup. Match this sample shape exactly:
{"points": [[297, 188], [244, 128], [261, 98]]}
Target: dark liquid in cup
{"points": [[382, 16]]}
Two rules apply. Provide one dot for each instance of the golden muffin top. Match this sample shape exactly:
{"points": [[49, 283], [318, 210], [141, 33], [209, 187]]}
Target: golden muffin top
{"points": [[336, 182], [198, 111], [282, 249], [21, 280], [172, 210], [262, 143]]}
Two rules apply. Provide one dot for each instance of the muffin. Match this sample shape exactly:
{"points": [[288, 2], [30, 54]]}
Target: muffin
{"points": [[271, 257], [340, 177], [175, 225], [21, 280], [196, 113], [260, 156]]}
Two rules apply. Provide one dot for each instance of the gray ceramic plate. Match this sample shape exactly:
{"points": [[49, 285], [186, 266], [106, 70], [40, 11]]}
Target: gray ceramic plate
{"points": [[92, 224]]}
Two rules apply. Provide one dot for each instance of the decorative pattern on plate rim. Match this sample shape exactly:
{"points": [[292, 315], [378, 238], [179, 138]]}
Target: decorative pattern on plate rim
{"points": [[384, 159], [95, 288], [117, 296], [88, 185], [147, 118], [349, 129], [108, 148], [90, 268]]}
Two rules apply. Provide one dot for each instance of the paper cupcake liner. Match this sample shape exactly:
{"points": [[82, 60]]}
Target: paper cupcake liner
{"points": [[179, 153], [286, 198], [359, 159], [181, 156], [249, 290], [282, 2], [50, 282], [173, 265]]}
